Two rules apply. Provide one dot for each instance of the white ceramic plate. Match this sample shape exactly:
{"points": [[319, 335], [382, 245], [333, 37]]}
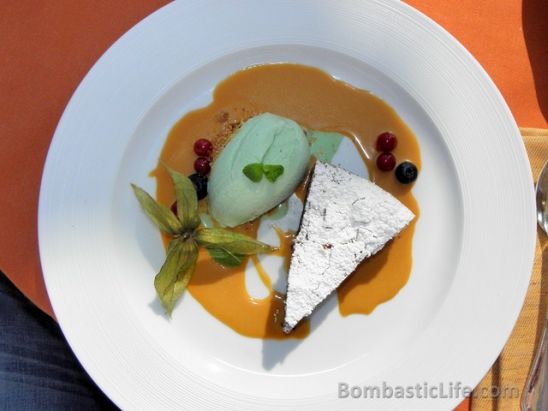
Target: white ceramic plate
{"points": [[473, 246]]}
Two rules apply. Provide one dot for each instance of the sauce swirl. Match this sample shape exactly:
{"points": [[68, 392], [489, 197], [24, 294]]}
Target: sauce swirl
{"points": [[316, 101]]}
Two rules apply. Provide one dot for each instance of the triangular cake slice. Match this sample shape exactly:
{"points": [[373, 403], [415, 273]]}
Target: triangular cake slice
{"points": [[346, 219]]}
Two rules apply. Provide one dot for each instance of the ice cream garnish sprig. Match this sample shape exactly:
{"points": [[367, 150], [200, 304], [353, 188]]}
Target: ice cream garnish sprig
{"points": [[255, 171], [186, 235]]}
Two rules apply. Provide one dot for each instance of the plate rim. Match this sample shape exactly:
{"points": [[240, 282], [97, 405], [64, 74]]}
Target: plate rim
{"points": [[408, 9]]}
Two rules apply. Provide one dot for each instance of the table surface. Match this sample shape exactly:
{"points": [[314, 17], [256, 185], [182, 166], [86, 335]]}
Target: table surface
{"points": [[48, 47]]}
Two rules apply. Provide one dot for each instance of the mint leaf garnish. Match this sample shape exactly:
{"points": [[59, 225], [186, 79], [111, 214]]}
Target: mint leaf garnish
{"points": [[253, 171], [272, 171]]}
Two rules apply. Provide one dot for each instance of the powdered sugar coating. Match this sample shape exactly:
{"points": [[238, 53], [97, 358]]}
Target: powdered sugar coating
{"points": [[346, 219]]}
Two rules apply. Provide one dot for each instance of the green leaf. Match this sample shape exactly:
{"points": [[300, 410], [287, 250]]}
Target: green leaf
{"points": [[171, 281], [160, 215], [187, 200], [224, 257], [272, 171], [232, 242], [254, 172]]}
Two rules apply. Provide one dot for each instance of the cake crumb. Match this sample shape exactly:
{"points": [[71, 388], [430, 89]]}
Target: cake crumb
{"points": [[228, 128], [222, 116]]}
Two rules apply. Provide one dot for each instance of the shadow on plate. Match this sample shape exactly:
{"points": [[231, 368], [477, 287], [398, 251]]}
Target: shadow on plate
{"points": [[156, 307], [276, 351]]}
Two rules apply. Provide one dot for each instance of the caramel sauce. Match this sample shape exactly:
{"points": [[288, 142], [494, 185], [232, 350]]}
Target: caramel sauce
{"points": [[316, 101], [263, 275], [302, 189], [286, 246]]}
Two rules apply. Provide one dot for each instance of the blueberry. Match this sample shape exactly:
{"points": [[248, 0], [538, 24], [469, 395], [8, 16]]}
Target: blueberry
{"points": [[406, 172], [200, 184]]}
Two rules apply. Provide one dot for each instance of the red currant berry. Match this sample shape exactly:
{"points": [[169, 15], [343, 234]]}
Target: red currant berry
{"points": [[203, 147], [386, 142], [386, 161], [202, 165]]}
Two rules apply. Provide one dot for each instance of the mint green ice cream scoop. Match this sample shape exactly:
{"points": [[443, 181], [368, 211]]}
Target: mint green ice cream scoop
{"points": [[266, 139]]}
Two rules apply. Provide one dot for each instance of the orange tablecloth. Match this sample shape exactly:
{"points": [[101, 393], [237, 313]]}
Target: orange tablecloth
{"points": [[48, 46]]}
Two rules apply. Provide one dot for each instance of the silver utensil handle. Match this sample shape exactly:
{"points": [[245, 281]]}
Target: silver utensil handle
{"points": [[535, 394]]}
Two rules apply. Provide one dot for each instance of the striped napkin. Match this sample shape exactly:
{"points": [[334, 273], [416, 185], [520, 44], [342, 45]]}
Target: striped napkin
{"points": [[501, 388]]}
